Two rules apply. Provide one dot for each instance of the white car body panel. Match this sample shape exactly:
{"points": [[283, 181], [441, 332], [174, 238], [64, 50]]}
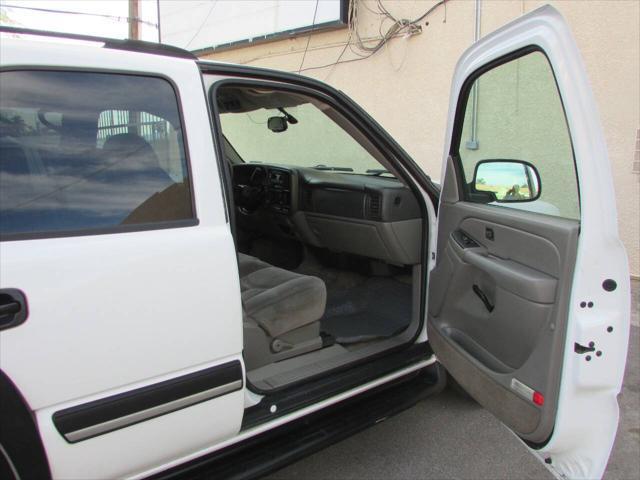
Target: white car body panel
{"points": [[587, 416], [127, 451], [118, 322]]}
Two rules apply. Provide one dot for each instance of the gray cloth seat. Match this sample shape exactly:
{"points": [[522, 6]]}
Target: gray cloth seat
{"points": [[279, 300], [281, 310]]}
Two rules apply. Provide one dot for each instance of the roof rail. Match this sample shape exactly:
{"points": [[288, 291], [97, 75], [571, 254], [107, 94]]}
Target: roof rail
{"points": [[112, 43]]}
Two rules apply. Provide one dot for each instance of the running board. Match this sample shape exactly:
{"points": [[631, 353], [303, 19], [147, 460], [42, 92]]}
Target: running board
{"points": [[331, 383], [273, 450]]}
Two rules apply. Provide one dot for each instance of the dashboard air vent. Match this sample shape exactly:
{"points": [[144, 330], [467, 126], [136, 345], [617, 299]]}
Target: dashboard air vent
{"points": [[374, 207]]}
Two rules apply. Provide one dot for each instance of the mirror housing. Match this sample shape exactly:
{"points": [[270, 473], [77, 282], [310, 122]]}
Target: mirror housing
{"points": [[277, 124], [507, 181]]}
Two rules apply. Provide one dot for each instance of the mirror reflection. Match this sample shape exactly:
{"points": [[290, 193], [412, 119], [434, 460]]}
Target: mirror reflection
{"points": [[508, 180]]}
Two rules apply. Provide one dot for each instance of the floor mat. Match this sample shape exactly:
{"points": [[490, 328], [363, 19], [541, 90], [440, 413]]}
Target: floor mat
{"points": [[378, 308]]}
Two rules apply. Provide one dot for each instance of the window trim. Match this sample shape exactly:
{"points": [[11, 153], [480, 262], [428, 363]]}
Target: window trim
{"points": [[188, 222], [461, 107]]}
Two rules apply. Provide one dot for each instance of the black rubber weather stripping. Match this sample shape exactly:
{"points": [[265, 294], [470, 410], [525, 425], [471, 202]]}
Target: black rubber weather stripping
{"points": [[118, 411], [274, 449], [308, 393]]}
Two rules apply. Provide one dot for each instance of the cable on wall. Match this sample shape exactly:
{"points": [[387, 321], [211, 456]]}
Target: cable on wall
{"points": [[361, 47], [204, 22], [306, 48]]}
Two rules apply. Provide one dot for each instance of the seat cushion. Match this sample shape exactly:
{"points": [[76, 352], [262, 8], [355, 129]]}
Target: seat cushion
{"points": [[279, 300]]}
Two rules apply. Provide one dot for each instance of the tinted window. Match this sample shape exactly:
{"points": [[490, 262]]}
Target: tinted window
{"points": [[89, 151]]}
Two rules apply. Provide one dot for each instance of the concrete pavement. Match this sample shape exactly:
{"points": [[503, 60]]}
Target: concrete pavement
{"points": [[448, 436]]}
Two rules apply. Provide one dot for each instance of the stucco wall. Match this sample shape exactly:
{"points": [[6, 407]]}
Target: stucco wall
{"points": [[405, 86]]}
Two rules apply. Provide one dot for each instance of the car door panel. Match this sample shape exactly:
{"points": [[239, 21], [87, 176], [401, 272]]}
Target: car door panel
{"points": [[128, 329], [521, 273], [529, 306], [134, 447], [105, 415]]}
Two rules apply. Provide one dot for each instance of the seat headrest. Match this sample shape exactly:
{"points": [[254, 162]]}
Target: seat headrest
{"points": [[127, 144]]}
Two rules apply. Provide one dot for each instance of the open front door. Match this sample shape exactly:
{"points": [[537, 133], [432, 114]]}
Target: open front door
{"points": [[529, 299]]}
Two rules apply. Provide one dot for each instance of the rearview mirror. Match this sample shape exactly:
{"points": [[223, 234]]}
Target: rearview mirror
{"points": [[508, 180], [277, 124]]}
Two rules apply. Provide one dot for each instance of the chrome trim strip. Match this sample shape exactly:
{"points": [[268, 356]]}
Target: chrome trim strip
{"points": [[142, 415], [12, 467]]}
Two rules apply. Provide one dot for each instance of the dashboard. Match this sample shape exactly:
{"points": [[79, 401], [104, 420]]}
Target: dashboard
{"points": [[257, 186], [367, 215]]}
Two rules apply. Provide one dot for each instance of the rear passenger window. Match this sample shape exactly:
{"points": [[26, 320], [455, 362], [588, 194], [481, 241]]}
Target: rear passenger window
{"points": [[83, 151]]}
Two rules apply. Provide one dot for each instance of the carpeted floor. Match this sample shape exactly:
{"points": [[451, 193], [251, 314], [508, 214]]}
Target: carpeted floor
{"points": [[377, 308]]}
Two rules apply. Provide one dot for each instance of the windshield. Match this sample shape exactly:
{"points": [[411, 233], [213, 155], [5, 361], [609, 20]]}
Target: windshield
{"points": [[301, 133]]}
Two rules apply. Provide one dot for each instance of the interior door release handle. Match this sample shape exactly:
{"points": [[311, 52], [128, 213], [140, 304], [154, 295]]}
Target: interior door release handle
{"points": [[488, 305]]}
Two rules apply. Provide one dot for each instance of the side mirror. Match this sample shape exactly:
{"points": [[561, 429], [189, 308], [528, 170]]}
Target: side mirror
{"points": [[277, 124], [509, 180]]}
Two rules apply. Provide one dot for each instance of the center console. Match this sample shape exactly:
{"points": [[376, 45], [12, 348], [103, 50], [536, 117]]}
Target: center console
{"points": [[279, 190]]}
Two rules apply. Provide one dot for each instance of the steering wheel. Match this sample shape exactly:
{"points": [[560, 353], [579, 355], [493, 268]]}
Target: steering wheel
{"points": [[42, 117], [250, 197]]}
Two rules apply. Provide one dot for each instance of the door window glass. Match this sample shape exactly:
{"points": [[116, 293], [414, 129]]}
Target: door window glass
{"points": [[514, 120], [90, 151]]}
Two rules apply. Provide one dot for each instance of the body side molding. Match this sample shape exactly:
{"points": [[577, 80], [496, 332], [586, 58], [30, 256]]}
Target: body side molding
{"points": [[122, 410]]}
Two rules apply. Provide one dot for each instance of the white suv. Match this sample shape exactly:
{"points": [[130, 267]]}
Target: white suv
{"points": [[216, 269]]}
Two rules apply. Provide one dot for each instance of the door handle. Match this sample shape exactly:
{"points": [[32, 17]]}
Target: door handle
{"points": [[9, 309], [515, 277], [481, 295], [13, 308]]}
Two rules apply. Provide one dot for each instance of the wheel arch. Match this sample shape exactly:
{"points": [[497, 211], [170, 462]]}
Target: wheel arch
{"points": [[19, 434]]}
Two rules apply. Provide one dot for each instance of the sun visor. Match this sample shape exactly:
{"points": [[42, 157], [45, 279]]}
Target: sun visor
{"points": [[241, 100]]}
